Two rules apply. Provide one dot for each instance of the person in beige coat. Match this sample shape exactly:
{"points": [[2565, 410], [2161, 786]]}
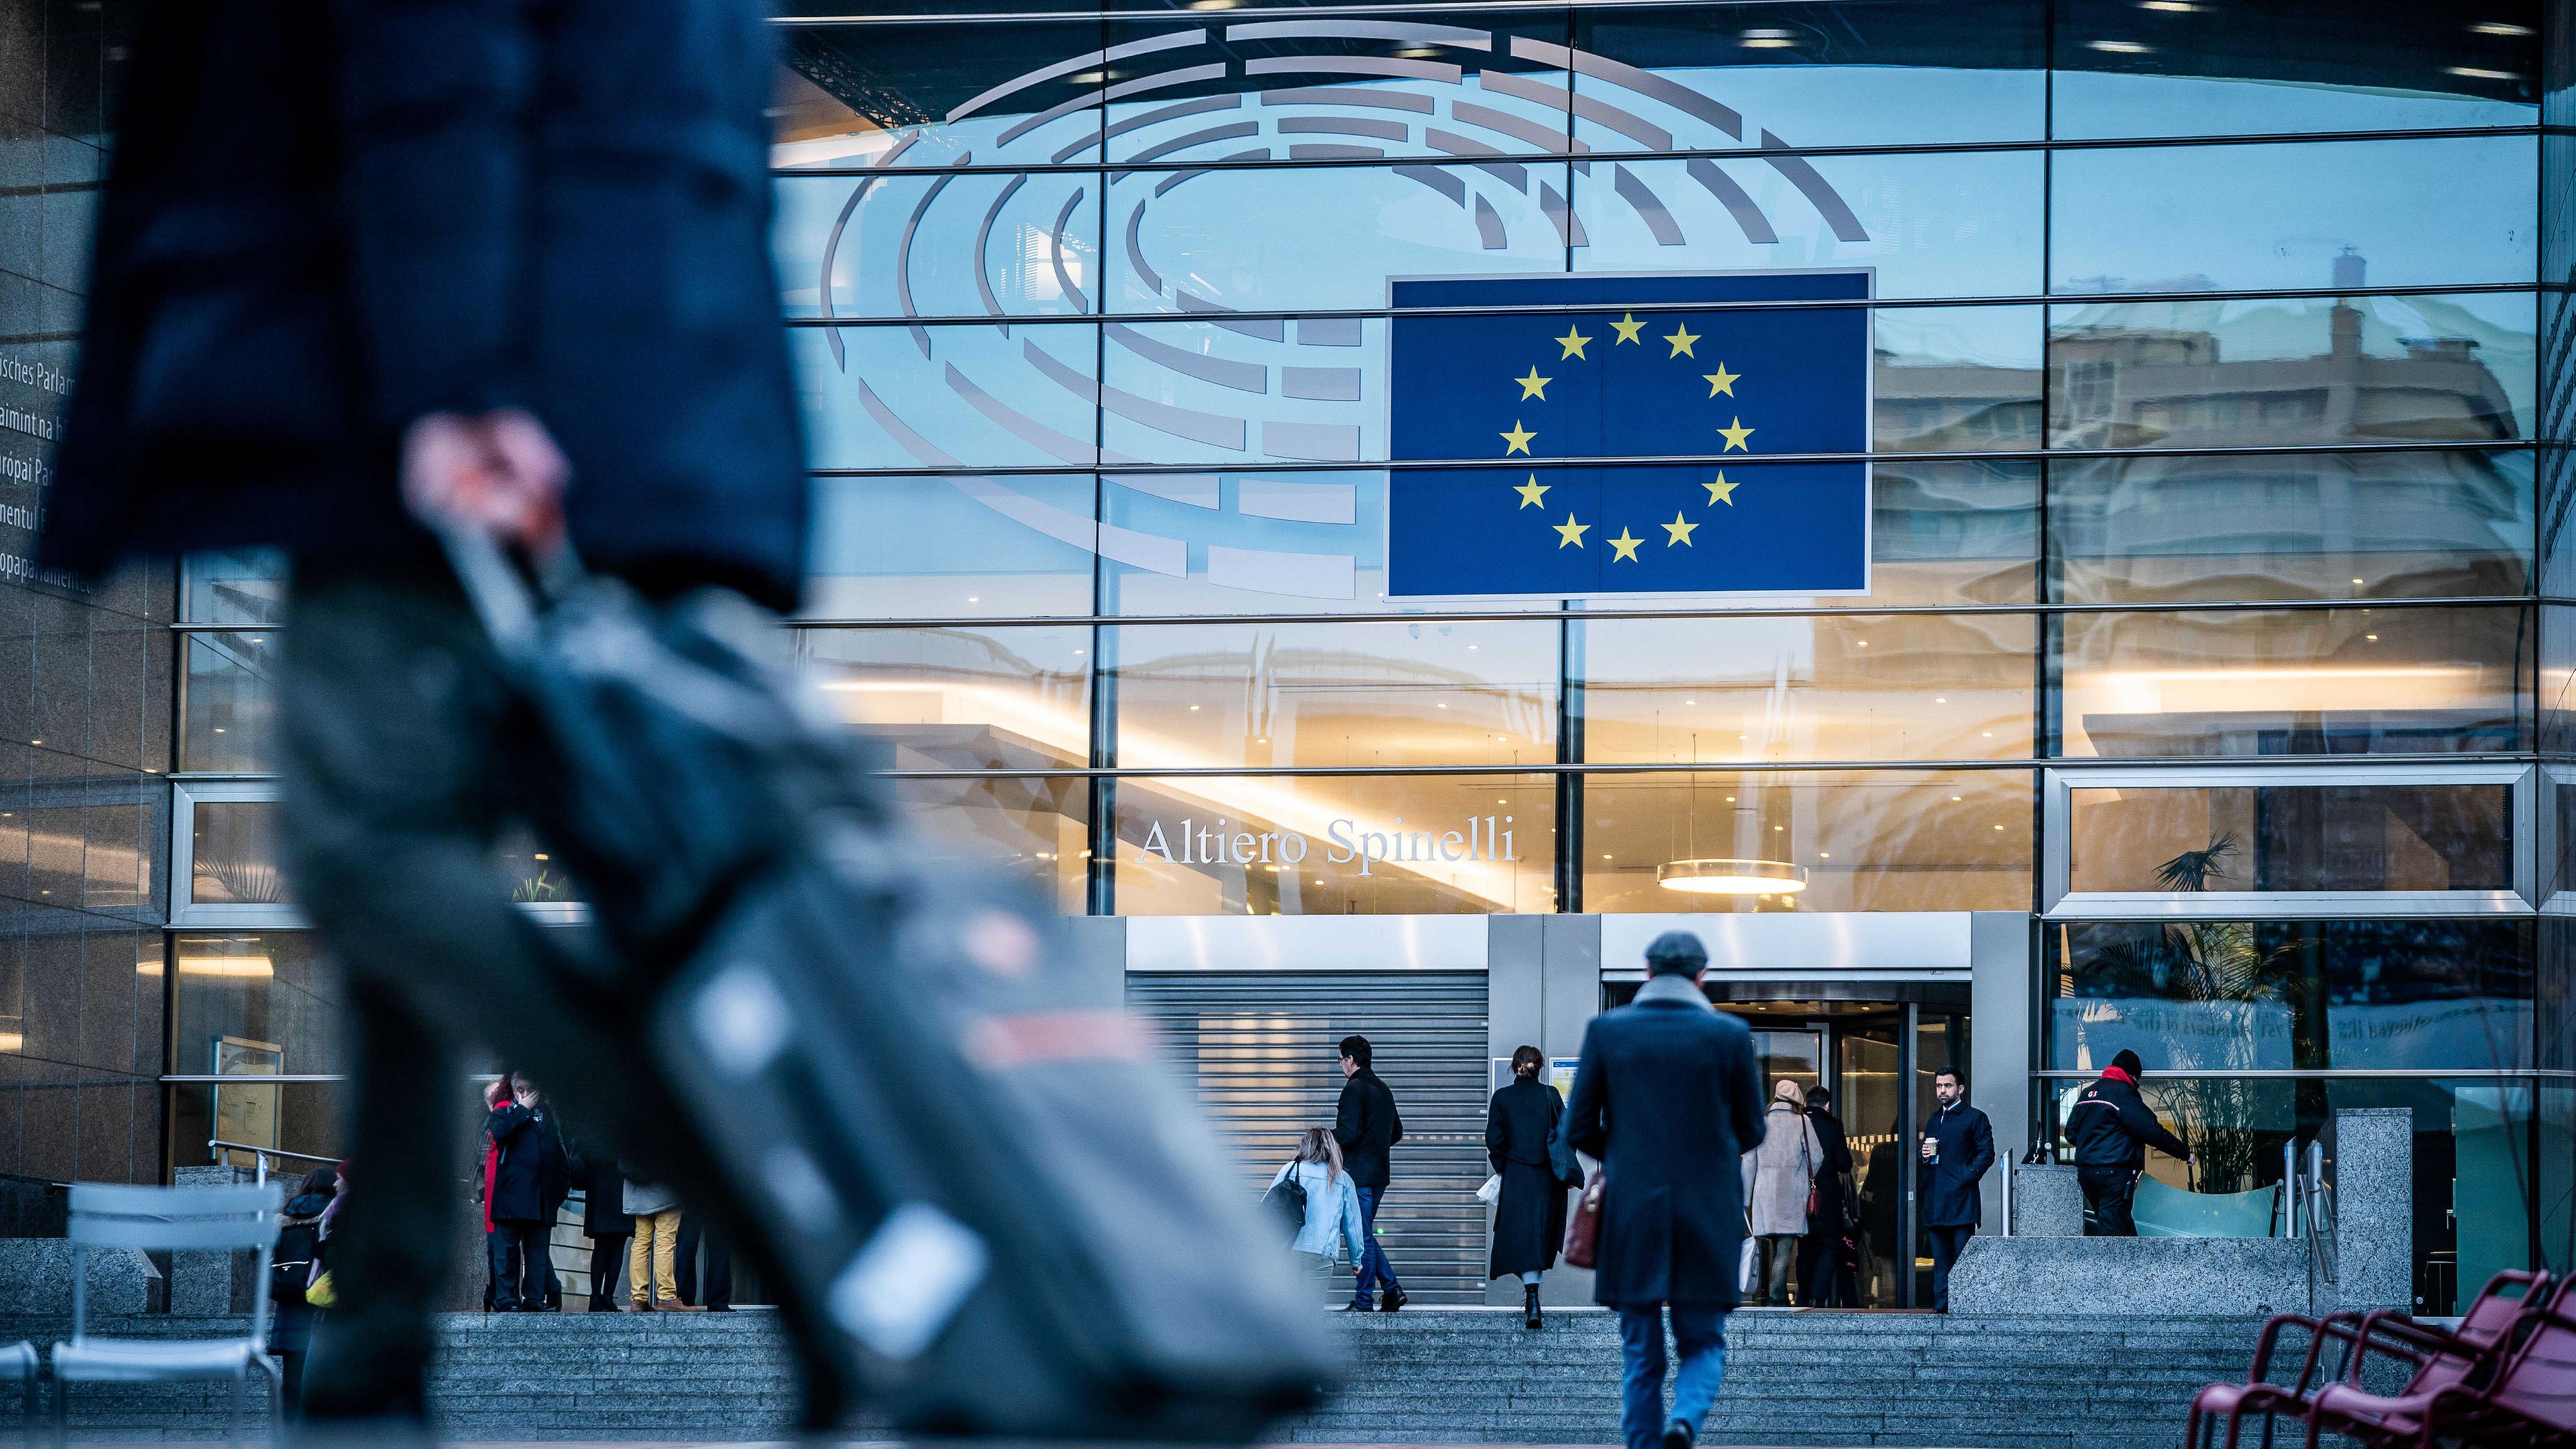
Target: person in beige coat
{"points": [[1778, 1175]]}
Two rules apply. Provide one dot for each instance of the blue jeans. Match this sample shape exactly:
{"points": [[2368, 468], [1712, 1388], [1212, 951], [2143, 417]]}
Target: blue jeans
{"points": [[1699, 1331], [1374, 1268]]}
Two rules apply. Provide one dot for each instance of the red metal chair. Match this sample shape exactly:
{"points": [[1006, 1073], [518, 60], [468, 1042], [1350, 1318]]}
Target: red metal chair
{"points": [[2530, 1402], [2438, 1356]]}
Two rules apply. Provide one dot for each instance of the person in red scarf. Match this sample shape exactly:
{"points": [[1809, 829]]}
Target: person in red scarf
{"points": [[493, 1092], [2112, 1130]]}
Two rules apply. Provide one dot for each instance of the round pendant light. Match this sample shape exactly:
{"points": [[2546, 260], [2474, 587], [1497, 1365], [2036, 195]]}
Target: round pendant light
{"points": [[1732, 877]]}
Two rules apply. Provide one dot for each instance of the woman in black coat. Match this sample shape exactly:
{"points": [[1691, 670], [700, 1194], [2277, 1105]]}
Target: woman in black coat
{"points": [[1529, 1216]]}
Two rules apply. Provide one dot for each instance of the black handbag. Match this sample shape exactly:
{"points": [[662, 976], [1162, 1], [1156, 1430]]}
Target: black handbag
{"points": [[1287, 1199]]}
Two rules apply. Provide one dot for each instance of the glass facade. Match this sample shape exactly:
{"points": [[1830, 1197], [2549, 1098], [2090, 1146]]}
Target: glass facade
{"points": [[2216, 431]]}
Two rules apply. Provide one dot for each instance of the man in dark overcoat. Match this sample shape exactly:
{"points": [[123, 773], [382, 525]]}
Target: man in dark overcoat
{"points": [[1669, 1096], [511, 255], [1958, 1147]]}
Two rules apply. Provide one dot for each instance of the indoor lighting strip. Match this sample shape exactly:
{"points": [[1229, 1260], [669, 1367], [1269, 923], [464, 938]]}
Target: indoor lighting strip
{"points": [[2286, 1074], [2021, 764], [1752, 304], [1735, 153]]}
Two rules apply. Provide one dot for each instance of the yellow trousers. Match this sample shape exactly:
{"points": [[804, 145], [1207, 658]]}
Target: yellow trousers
{"points": [[650, 1271]]}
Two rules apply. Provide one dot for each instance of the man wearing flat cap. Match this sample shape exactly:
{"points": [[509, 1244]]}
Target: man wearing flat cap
{"points": [[1669, 1097]]}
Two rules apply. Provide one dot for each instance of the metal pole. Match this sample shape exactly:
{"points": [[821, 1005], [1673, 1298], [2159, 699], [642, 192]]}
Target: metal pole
{"points": [[1909, 1155]]}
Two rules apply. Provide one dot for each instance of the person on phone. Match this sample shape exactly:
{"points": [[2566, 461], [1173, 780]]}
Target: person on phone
{"points": [[1668, 1095], [1958, 1146], [503, 264], [2112, 1129]]}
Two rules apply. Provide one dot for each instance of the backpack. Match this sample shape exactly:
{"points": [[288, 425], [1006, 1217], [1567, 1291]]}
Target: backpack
{"points": [[293, 1263], [1287, 1198]]}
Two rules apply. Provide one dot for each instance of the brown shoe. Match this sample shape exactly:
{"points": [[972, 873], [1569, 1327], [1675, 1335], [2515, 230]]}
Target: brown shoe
{"points": [[673, 1305], [636, 1306]]}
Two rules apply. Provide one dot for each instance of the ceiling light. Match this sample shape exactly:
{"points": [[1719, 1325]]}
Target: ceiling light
{"points": [[2479, 72], [1940, 699], [1768, 40], [1956, 798], [1194, 709], [1824, 855], [11, 1041], [1732, 877], [2373, 638], [2499, 27], [972, 599], [1999, 827], [2120, 47], [2170, 7], [2356, 581], [257, 967]]}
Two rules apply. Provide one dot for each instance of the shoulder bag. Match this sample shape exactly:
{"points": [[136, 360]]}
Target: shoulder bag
{"points": [[1583, 1226], [1287, 1199]]}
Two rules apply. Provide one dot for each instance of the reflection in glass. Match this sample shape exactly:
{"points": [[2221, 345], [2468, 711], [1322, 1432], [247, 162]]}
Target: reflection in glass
{"points": [[1684, 691], [531, 872], [2313, 681], [2213, 218], [884, 396], [2125, 69], [233, 854], [246, 586], [2238, 996], [277, 987], [1819, 74], [1218, 393], [2294, 526], [1325, 237], [946, 547], [1433, 693], [960, 699], [1893, 840], [931, 246], [2397, 837], [231, 702], [1336, 845], [1902, 215], [927, 95], [2355, 369], [1029, 829], [303, 1118], [1957, 378]]}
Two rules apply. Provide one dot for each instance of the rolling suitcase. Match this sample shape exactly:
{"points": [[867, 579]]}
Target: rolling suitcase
{"points": [[990, 1196]]}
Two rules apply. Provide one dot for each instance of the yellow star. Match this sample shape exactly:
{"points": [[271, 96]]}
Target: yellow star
{"points": [[1720, 381], [1628, 327], [1734, 436], [1572, 342], [1721, 491], [1681, 337], [1624, 546], [1519, 438], [1570, 532], [1535, 386], [1533, 493], [1677, 531]]}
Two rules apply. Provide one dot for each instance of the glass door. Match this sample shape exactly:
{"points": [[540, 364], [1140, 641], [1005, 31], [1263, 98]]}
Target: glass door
{"points": [[1870, 1099]]}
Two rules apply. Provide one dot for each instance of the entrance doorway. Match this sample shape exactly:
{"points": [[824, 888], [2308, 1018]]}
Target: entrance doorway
{"points": [[1876, 1047]]}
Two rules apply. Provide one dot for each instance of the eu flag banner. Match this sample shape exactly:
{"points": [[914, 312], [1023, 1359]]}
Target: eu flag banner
{"points": [[1730, 384]]}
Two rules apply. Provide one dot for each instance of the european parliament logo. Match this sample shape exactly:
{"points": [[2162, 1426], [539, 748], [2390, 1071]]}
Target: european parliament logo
{"points": [[1727, 387]]}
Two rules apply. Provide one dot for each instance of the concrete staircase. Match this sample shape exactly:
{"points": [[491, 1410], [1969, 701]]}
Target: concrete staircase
{"points": [[1454, 1376]]}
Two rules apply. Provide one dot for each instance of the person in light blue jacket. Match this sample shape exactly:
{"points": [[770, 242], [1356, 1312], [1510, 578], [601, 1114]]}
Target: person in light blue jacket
{"points": [[1333, 1232]]}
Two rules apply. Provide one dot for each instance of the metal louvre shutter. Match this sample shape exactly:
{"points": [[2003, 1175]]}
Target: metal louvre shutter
{"points": [[1259, 1050]]}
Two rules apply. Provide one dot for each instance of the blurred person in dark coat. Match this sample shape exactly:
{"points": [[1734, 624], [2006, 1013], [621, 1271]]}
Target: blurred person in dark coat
{"points": [[511, 257], [1958, 1147], [1669, 1096], [291, 1270], [1529, 1214]]}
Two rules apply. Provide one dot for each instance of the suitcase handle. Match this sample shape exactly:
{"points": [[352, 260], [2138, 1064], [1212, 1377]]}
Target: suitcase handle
{"points": [[506, 596]]}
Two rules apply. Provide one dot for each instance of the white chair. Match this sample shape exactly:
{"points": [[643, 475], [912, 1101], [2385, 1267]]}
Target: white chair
{"points": [[20, 1359], [222, 1219]]}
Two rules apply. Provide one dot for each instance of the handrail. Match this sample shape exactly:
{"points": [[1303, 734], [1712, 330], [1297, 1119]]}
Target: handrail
{"points": [[2314, 1203], [263, 1154]]}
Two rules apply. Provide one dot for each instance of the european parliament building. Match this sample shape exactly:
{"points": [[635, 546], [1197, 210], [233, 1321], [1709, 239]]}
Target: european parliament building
{"points": [[2037, 527]]}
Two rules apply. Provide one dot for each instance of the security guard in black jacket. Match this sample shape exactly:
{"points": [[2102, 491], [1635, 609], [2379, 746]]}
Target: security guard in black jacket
{"points": [[2112, 1130]]}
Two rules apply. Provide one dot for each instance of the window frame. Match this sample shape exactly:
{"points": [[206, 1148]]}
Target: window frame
{"points": [[2058, 901]]}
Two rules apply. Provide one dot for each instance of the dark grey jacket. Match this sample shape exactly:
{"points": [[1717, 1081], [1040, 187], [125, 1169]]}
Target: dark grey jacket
{"points": [[326, 218], [1669, 1097], [1367, 1124]]}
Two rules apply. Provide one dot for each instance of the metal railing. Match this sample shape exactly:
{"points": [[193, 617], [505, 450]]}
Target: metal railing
{"points": [[261, 1155], [2312, 1205]]}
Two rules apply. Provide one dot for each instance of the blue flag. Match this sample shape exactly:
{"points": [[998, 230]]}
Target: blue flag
{"points": [[1730, 385]]}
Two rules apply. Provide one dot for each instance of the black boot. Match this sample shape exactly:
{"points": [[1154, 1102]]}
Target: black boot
{"points": [[1529, 1305]]}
